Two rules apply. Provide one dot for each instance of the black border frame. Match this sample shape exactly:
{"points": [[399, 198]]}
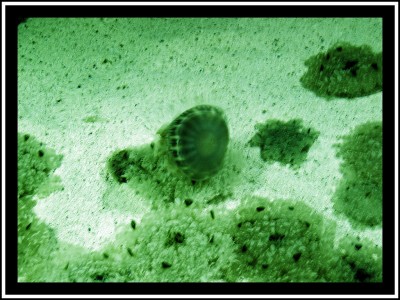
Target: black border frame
{"points": [[14, 14]]}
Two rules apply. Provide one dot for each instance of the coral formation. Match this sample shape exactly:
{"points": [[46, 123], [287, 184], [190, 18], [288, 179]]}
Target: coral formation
{"points": [[259, 241], [285, 142], [344, 71], [363, 259], [35, 163], [359, 193], [36, 244], [179, 244], [282, 241]]}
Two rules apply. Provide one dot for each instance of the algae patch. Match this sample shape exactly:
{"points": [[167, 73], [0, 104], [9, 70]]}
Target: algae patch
{"points": [[344, 71], [35, 165], [284, 142], [359, 194]]}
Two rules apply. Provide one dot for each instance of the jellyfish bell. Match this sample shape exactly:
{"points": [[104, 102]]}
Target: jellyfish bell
{"points": [[196, 141]]}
